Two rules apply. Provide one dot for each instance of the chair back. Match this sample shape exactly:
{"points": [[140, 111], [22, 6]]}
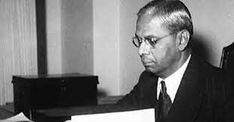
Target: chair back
{"points": [[227, 59]]}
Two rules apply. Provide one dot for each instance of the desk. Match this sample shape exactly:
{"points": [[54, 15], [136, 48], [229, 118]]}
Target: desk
{"points": [[33, 92], [62, 114]]}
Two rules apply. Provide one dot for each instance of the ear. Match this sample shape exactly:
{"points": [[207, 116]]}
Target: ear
{"points": [[182, 39]]}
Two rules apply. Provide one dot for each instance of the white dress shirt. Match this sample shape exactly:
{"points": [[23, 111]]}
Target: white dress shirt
{"points": [[173, 81]]}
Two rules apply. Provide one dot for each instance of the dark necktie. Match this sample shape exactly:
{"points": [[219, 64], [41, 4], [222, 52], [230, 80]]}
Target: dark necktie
{"points": [[164, 101]]}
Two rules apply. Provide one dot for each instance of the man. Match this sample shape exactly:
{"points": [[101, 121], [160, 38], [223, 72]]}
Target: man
{"points": [[176, 82]]}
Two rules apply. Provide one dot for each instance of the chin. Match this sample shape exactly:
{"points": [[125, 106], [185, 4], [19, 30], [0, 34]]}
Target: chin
{"points": [[153, 70], [149, 69]]}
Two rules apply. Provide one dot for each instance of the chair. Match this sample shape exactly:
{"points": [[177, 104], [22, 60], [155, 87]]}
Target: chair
{"points": [[227, 59]]}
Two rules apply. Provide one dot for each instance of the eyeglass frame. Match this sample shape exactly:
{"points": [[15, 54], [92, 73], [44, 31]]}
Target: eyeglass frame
{"points": [[151, 41]]}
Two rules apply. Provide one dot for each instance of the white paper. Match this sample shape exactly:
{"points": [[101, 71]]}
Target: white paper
{"points": [[17, 118], [144, 115]]}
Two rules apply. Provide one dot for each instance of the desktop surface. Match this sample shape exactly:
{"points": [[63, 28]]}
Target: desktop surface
{"points": [[63, 114]]}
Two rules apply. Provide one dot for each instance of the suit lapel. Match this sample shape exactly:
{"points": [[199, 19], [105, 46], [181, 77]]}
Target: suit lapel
{"points": [[150, 89], [188, 96]]}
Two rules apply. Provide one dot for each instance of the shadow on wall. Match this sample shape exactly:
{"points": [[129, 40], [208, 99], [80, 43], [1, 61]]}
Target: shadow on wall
{"points": [[101, 93], [201, 47]]}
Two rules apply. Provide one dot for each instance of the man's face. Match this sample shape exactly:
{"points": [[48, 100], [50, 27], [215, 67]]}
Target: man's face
{"points": [[160, 59]]}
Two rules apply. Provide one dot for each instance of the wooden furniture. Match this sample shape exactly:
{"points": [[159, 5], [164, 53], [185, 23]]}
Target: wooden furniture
{"points": [[32, 92], [7, 110]]}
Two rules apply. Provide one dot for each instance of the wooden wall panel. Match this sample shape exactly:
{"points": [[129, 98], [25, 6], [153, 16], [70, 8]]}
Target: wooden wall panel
{"points": [[18, 46]]}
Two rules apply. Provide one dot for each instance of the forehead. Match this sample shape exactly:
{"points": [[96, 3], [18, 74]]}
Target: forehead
{"points": [[148, 26]]}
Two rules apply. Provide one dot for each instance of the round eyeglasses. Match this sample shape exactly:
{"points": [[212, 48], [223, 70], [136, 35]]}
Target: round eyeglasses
{"points": [[150, 40]]}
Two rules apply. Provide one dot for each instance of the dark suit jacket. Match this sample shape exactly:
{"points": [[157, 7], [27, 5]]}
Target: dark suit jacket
{"points": [[205, 94]]}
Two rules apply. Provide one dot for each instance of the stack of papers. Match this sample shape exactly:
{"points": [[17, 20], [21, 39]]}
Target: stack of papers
{"points": [[17, 118], [144, 115]]}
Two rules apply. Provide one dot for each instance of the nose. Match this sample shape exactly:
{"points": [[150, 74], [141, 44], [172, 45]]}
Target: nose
{"points": [[144, 49]]}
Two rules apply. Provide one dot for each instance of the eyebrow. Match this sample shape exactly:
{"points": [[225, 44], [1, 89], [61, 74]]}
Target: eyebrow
{"points": [[148, 37], [151, 36]]}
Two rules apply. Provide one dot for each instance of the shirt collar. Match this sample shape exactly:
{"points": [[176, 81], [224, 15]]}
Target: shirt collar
{"points": [[173, 81]]}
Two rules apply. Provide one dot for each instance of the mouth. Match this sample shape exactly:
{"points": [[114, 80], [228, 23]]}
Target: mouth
{"points": [[147, 63]]}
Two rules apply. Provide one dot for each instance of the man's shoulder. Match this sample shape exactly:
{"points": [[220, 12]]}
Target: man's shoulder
{"points": [[205, 67], [212, 70], [206, 73]]}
